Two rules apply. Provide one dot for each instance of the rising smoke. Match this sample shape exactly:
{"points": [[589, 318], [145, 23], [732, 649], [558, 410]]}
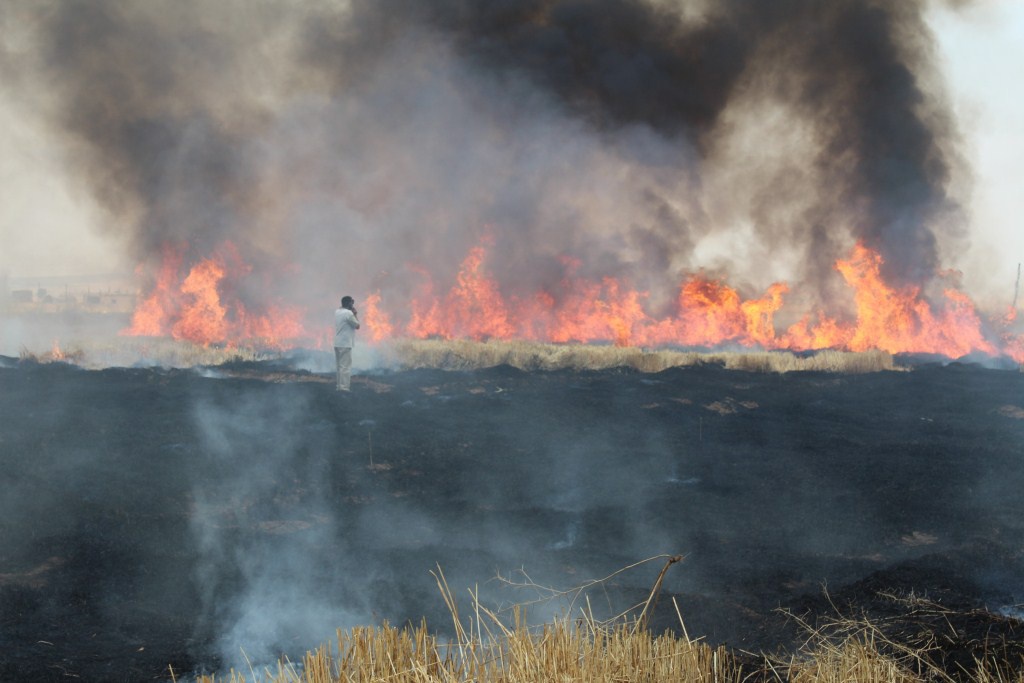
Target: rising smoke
{"points": [[353, 146], [297, 528]]}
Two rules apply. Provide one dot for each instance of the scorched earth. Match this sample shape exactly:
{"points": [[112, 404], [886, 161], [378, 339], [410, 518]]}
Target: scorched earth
{"points": [[155, 517]]}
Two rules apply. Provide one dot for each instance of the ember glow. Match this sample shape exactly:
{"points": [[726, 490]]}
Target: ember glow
{"points": [[707, 313]]}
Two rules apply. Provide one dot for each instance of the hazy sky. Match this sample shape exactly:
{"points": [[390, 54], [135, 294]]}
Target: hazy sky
{"points": [[983, 58], [50, 226]]}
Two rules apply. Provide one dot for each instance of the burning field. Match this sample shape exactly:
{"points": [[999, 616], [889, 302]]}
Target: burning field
{"points": [[634, 172], [157, 517], [541, 207]]}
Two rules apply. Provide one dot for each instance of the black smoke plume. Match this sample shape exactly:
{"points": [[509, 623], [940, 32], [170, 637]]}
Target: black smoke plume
{"points": [[337, 145]]}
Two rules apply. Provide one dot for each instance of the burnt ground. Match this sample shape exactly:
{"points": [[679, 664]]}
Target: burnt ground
{"points": [[157, 517]]}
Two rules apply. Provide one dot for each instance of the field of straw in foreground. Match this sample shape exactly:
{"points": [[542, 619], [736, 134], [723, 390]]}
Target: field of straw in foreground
{"points": [[493, 648]]}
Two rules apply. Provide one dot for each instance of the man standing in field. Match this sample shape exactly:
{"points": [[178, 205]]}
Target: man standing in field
{"points": [[346, 322]]}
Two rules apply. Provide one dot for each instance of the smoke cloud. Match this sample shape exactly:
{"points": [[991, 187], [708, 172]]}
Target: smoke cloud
{"points": [[304, 518], [355, 146]]}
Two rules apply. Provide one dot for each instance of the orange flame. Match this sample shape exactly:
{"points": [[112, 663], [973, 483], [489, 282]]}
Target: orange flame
{"points": [[894, 320], [379, 327], [193, 308], [900, 321], [201, 319], [1013, 344], [473, 309], [152, 316], [706, 313]]}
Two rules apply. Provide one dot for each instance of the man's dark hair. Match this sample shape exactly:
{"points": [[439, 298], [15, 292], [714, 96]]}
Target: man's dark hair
{"points": [[347, 302]]}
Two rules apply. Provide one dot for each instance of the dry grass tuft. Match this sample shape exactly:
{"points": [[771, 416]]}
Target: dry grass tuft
{"points": [[490, 647], [929, 646], [855, 650], [560, 651], [855, 659], [469, 355], [583, 650]]}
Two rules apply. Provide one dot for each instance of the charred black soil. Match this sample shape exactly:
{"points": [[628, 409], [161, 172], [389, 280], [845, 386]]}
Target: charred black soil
{"points": [[168, 517]]}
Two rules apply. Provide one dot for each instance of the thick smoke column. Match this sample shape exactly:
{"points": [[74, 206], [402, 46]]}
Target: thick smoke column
{"points": [[150, 98], [354, 146], [853, 68]]}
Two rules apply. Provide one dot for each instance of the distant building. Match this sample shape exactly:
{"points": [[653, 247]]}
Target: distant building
{"points": [[83, 295], [109, 302]]}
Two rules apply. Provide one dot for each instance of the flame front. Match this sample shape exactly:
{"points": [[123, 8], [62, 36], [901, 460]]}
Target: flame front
{"points": [[707, 313], [152, 316], [194, 309]]}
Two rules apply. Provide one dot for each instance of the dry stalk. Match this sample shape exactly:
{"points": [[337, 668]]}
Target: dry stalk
{"points": [[652, 599], [548, 594]]}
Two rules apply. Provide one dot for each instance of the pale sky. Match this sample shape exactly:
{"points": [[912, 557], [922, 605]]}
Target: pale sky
{"points": [[983, 59], [50, 227]]}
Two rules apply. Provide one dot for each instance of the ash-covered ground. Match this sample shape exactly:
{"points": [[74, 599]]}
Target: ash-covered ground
{"points": [[157, 517]]}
